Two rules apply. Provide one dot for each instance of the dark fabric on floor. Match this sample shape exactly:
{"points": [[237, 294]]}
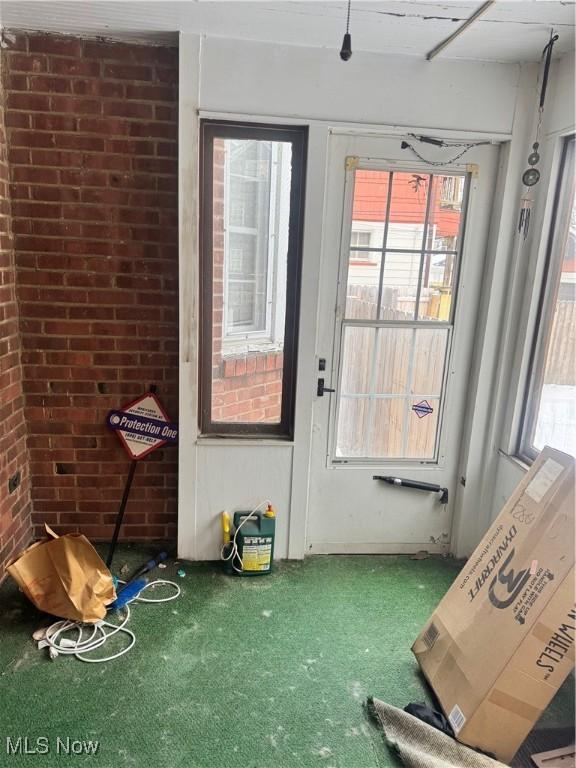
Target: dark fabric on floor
{"points": [[420, 745]]}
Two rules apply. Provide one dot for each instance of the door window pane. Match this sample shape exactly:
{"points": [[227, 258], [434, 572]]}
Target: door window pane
{"points": [[422, 428], [430, 346], [363, 283], [358, 355], [387, 429], [400, 278], [353, 427], [392, 362], [446, 212], [436, 289], [407, 215], [370, 206], [252, 224], [404, 245], [390, 391]]}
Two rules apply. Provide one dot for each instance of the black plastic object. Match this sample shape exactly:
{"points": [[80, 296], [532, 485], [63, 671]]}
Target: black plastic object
{"points": [[417, 484], [14, 482], [429, 716], [346, 50], [149, 566]]}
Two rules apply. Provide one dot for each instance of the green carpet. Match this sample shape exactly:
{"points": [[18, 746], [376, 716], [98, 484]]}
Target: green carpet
{"points": [[236, 673]]}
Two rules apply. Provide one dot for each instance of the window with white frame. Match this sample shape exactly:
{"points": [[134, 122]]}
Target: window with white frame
{"points": [[256, 193], [360, 239], [550, 403]]}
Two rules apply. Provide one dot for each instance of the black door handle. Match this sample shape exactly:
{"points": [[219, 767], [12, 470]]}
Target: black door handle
{"points": [[418, 484], [320, 389]]}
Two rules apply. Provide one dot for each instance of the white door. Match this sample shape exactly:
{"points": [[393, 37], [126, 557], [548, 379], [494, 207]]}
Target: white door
{"points": [[404, 245]]}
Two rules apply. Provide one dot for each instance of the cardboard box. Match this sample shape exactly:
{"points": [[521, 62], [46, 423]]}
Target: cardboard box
{"points": [[501, 642]]}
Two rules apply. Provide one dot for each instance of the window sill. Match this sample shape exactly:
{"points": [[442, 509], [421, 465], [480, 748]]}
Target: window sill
{"points": [[522, 463], [243, 348], [242, 441]]}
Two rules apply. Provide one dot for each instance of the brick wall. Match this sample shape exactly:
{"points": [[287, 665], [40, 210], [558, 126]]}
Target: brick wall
{"points": [[92, 136], [15, 504]]}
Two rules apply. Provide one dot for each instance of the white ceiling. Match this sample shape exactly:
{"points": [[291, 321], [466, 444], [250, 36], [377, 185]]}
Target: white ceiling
{"points": [[514, 30]]}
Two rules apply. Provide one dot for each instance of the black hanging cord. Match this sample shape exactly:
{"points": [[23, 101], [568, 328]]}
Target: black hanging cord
{"points": [[346, 50], [547, 55]]}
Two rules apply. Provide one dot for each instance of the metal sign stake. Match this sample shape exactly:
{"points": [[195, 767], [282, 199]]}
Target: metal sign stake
{"points": [[121, 510]]}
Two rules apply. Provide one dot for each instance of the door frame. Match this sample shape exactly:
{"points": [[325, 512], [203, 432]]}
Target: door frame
{"points": [[467, 294]]}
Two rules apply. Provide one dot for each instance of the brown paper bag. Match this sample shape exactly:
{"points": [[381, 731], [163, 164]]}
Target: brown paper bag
{"points": [[64, 576]]}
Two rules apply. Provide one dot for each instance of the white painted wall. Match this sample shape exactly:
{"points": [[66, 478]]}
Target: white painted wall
{"points": [[311, 83], [371, 93]]}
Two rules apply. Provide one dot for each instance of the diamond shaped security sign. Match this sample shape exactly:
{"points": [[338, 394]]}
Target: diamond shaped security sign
{"points": [[143, 426]]}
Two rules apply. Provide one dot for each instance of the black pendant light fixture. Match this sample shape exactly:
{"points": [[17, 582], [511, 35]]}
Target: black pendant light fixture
{"points": [[346, 50]]}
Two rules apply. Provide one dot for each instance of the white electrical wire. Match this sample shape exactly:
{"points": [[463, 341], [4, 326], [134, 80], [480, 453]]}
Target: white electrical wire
{"points": [[99, 636], [233, 554]]}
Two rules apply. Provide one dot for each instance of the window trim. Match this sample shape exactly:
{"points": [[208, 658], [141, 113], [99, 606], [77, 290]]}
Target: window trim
{"points": [[298, 137], [548, 292]]}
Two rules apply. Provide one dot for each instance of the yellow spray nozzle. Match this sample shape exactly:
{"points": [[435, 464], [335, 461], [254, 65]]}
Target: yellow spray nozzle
{"points": [[270, 512], [226, 527]]}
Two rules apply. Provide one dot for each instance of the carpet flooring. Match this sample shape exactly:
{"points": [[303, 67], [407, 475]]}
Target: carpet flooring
{"points": [[269, 672]]}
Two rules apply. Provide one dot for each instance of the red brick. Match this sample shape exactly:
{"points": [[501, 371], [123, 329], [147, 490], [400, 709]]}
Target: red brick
{"points": [[129, 109], [43, 84], [92, 132], [128, 72], [28, 101], [24, 63], [58, 46], [77, 106], [75, 67]]}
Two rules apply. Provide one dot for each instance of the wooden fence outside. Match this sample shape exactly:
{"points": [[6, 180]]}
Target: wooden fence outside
{"points": [[561, 359]]}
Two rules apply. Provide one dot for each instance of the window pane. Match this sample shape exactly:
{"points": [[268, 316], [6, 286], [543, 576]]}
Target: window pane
{"points": [[362, 288], [436, 291], [422, 428], [387, 428], [429, 357], [357, 357], [445, 212], [556, 415], [369, 208], [390, 391], [393, 347], [251, 193], [400, 286], [353, 427], [407, 211]]}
